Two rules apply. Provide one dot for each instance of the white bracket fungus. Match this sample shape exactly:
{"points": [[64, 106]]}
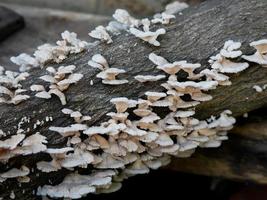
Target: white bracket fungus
{"points": [[260, 56], [59, 80], [149, 78], [98, 61], [162, 18], [25, 62], [175, 67], [123, 17], [15, 173], [70, 38], [148, 36], [108, 76], [10, 88], [259, 88], [76, 115], [69, 130], [221, 61], [175, 7], [31, 145], [69, 44], [123, 103], [75, 186], [101, 33]]}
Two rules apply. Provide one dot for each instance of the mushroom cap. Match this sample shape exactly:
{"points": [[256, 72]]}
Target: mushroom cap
{"points": [[110, 162], [230, 49], [142, 112], [123, 103], [148, 36], [154, 96], [77, 159], [164, 140], [37, 88], [74, 186], [124, 17], [183, 114], [260, 45], [158, 60], [175, 7], [227, 66], [43, 95], [170, 68], [138, 167], [12, 142], [69, 130], [101, 34], [110, 73], [202, 85], [148, 78], [13, 173], [98, 61], [47, 167], [59, 151], [256, 58]]}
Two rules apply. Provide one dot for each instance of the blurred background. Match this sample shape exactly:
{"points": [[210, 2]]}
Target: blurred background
{"points": [[41, 21]]}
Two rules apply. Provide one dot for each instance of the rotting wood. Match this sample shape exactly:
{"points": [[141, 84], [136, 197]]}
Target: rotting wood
{"points": [[196, 35]]}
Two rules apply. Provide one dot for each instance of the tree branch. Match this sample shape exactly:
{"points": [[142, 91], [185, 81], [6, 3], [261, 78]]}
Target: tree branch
{"points": [[195, 36]]}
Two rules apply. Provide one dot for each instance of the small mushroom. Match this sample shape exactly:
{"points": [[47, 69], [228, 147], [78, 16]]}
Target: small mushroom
{"points": [[148, 36], [175, 7], [124, 17], [69, 130], [258, 88], [162, 18], [138, 167], [214, 75], [25, 62], [154, 96], [101, 33], [99, 62], [108, 76], [123, 103], [260, 56]]}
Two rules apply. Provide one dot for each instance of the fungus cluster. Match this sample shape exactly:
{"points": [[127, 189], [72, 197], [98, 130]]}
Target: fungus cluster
{"points": [[107, 74], [60, 79], [45, 53], [146, 34], [260, 55], [11, 91], [76, 186], [20, 174], [131, 147], [11, 147], [101, 33], [222, 62], [170, 9]]}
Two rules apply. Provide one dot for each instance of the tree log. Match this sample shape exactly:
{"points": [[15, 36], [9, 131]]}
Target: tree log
{"points": [[195, 36]]}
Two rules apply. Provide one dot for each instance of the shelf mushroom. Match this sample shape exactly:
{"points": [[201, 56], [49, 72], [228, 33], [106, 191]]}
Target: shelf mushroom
{"points": [[260, 56]]}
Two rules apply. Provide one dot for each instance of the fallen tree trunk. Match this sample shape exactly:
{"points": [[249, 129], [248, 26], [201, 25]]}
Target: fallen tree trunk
{"points": [[195, 36]]}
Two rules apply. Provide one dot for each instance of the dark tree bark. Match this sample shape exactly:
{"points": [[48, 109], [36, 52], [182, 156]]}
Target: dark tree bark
{"points": [[195, 36]]}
